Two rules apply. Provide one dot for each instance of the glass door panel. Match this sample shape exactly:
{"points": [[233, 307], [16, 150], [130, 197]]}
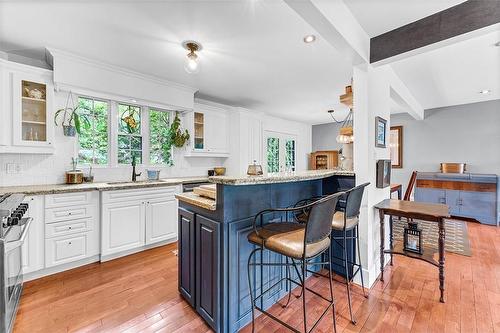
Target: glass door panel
{"points": [[34, 111], [199, 129]]}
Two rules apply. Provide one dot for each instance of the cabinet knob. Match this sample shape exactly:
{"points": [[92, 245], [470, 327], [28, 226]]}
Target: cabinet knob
{"points": [[69, 228], [69, 243], [70, 213]]}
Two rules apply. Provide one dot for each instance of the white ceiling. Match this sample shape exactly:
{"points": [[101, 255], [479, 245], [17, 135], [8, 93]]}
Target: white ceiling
{"points": [[253, 52], [454, 74], [379, 16]]}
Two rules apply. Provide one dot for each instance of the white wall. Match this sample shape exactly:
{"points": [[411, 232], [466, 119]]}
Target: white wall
{"points": [[467, 133], [247, 144]]}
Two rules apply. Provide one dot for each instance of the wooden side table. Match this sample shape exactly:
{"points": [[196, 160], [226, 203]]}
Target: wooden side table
{"points": [[414, 210]]}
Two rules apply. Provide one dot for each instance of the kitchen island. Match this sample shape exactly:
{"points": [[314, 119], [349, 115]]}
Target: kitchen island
{"points": [[213, 246]]}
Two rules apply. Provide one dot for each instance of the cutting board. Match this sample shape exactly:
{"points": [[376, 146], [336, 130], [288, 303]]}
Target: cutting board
{"points": [[207, 191]]}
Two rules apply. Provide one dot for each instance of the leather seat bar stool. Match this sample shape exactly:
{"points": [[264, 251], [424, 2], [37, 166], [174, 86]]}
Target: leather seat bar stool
{"points": [[347, 221], [300, 244]]}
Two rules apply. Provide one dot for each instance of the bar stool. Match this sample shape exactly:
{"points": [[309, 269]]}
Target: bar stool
{"points": [[347, 220], [299, 244]]}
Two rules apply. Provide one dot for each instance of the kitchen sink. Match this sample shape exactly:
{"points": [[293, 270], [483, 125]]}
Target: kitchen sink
{"points": [[136, 182]]}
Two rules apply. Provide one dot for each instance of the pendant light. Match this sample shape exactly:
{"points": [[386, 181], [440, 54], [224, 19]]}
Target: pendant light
{"points": [[192, 61], [346, 133]]}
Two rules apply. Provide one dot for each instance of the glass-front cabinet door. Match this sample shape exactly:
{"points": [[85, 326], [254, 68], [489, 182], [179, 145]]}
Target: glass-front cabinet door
{"points": [[32, 112]]}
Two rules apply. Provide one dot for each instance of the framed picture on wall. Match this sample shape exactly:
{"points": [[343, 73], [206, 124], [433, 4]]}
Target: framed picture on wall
{"points": [[396, 146], [380, 132]]}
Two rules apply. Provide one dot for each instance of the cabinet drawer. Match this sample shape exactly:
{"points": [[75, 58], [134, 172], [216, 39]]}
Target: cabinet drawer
{"points": [[65, 249], [68, 227], [68, 199], [139, 195], [69, 213]]}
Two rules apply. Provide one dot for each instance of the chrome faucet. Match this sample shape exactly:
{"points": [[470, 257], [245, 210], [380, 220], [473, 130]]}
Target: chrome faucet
{"points": [[134, 174]]}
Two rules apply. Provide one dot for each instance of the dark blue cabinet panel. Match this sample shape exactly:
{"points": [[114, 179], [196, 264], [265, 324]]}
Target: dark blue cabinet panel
{"points": [[186, 256], [207, 270]]}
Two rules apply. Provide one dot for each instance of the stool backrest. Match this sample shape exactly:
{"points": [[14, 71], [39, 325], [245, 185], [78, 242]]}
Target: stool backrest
{"points": [[354, 197], [319, 224]]}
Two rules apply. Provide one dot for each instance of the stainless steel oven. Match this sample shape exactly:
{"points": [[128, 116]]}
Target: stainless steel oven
{"points": [[13, 232]]}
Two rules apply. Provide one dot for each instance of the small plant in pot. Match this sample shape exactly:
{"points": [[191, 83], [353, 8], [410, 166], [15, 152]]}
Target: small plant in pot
{"points": [[72, 120]]}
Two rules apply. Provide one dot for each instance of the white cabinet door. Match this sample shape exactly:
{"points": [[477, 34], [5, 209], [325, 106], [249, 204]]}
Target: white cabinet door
{"points": [[33, 247], [161, 220], [123, 226], [216, 131]]}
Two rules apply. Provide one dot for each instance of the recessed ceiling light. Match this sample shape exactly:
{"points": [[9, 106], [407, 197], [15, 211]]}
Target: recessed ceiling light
{"points": [[485, 91], [309, 39]]}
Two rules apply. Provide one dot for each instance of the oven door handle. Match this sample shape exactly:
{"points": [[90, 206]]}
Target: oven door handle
{"points": [[15, 244]]}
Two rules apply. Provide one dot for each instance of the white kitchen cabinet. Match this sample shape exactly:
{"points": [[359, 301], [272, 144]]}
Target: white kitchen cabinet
{"points": [[33, 247], [71, 227], [209, 129], [123, 227], [135, 219], [161, 222], [29, 125]]}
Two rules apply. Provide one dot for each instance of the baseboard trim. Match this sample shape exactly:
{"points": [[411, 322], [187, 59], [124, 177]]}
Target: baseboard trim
{"points": [[60, 268], [117, 255]]}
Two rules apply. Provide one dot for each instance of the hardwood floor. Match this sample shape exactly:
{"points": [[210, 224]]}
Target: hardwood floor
{"points": [[138, 293]]}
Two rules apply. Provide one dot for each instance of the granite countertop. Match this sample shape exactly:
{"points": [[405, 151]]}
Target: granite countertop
{"points": [[284, 177], [196, 200], [102, 186]]}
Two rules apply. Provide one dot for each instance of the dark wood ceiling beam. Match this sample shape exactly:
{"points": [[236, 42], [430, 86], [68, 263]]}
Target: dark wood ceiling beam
{"points": [[452, 22]]}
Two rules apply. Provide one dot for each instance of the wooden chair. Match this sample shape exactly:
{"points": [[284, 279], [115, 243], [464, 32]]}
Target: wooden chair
{"points": [[411, 185]]}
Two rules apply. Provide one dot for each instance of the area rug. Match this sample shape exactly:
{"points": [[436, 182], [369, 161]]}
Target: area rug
{"points": [[456, 241]]}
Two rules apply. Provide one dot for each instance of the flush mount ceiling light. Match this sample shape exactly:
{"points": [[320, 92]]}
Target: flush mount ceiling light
{"points": [[192, 62], [485, 91], [309, 39], [497, 44]]}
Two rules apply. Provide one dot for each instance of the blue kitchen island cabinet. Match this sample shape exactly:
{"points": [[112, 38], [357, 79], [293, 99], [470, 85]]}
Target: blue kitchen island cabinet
{"points": [[468, 195], [213, 246]]}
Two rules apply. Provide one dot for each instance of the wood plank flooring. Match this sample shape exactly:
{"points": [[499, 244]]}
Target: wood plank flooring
{"points": [[138, 293]]}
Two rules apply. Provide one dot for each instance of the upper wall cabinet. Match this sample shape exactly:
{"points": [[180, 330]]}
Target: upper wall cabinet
{"points": [[27, 109], [209, 130]]}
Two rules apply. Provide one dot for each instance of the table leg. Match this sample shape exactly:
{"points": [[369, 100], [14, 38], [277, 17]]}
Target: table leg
{"points": [[441, 258], [390, 236], [382, 236]]}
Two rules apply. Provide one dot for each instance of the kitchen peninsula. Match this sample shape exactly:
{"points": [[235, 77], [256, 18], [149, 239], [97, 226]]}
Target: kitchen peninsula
{"points": [[213, 246]]}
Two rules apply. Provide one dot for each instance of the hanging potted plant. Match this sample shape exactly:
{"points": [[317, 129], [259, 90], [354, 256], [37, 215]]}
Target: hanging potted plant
{"points": [[177, 135], [73, 118]]}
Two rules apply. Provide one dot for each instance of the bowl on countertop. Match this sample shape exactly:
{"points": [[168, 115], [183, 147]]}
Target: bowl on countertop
{"points": [[220, 171]]}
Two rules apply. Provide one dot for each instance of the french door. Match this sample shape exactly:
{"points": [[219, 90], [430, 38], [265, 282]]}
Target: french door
{"points": [[281, 151]]}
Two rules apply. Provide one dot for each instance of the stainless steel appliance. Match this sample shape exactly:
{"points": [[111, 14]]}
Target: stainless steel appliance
{"points": [[13, 231]]}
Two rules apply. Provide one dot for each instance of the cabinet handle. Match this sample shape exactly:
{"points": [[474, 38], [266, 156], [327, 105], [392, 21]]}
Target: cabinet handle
{"points": [[69, 243]]}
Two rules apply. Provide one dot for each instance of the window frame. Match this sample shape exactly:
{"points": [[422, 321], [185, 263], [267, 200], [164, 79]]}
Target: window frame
{"points": [[171, 114], [283, 138], [109, 118], [142, 134]]}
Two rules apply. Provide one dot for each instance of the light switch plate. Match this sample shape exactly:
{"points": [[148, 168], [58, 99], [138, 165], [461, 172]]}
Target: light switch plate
{"points": [[13, 168]]}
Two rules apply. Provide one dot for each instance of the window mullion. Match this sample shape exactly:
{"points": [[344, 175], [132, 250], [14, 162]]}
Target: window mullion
{"points": [[146, 130]]}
